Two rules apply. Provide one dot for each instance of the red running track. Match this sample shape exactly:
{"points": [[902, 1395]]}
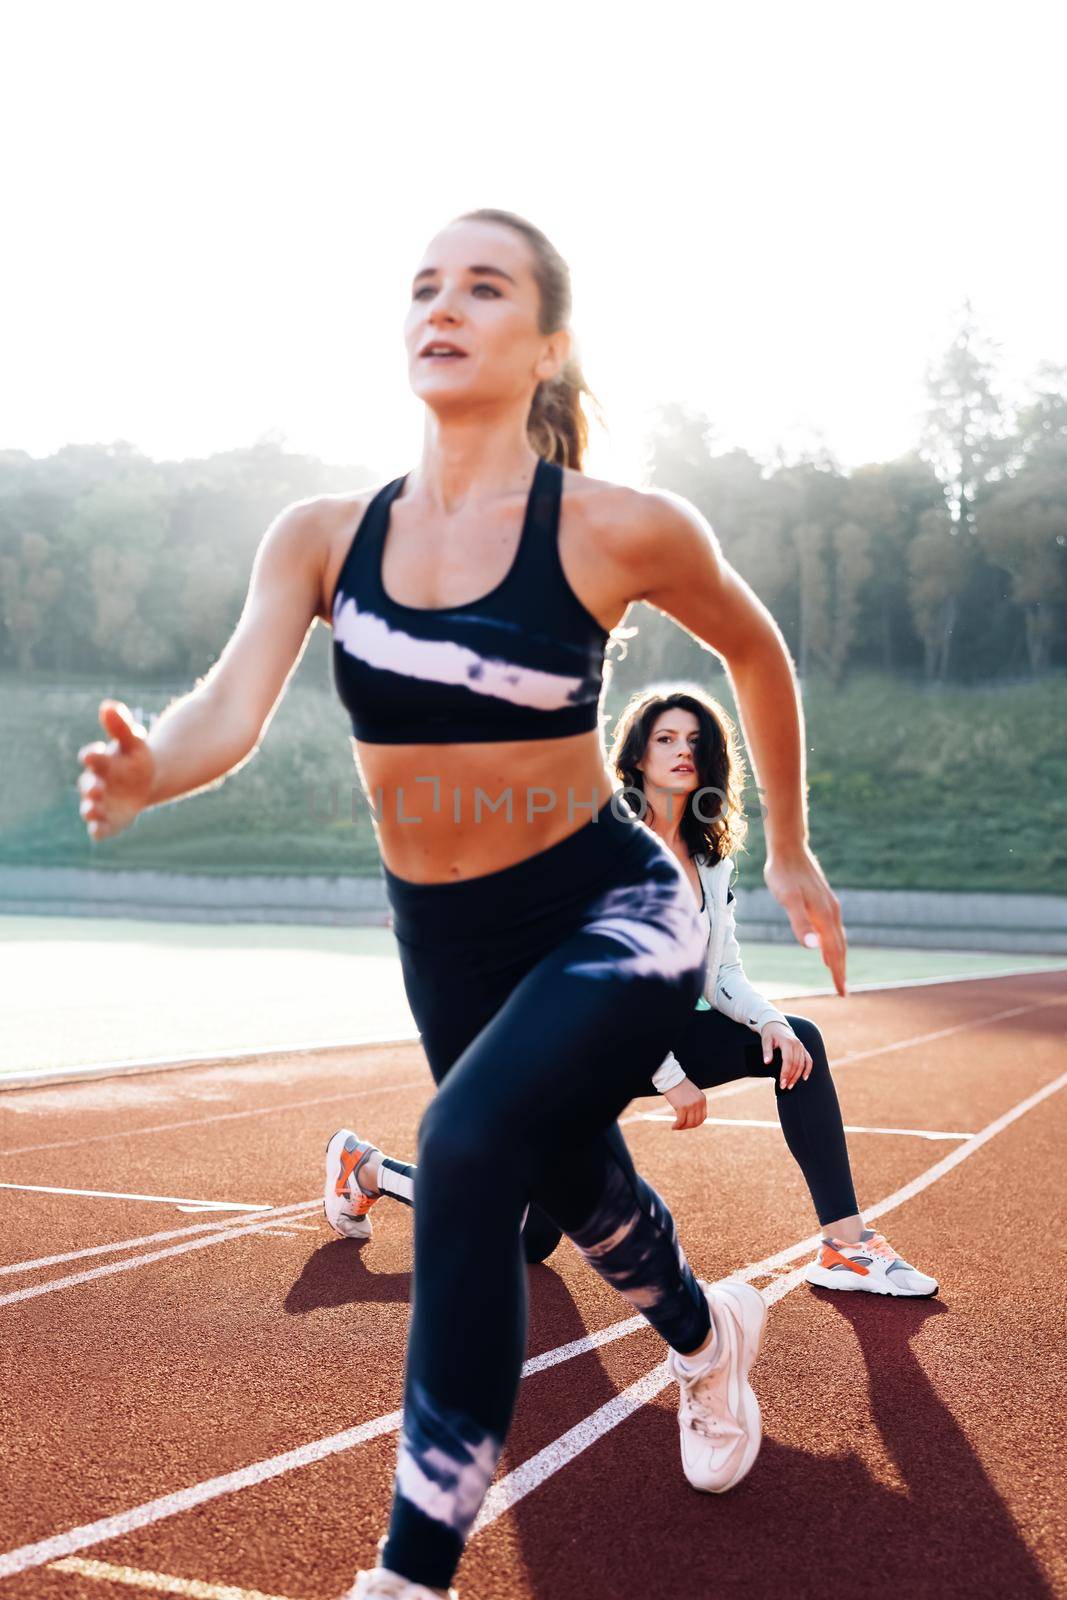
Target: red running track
{"points": [[211, 1398]]}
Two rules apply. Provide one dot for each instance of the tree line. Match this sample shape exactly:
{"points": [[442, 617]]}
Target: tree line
{"points": [[948, 563], [114, 563]]}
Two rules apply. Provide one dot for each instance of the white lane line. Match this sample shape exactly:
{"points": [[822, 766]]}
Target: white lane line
{"points": [[153, 1199], [743, 1085], [194, 1208], [953, 1159], [759, 1122], [169, 1505], [911, 1133], [1053, 964], [724, 1093], [254, 1225], [740, 1087], [159, 1582], [947, 1033], [582, 1346], [137, 1244], [523, 1480], [221, 1116], [64, 1544], [516, 1485]]}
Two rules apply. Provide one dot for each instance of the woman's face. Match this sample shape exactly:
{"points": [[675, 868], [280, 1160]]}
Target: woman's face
{"points": [[670, 760], [475, 290]]}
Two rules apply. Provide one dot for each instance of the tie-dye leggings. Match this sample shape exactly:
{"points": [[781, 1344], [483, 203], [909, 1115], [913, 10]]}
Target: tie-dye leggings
{"points": [[714, 1049], [546, 994]]}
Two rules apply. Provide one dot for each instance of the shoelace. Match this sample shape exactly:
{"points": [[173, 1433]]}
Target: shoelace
{"points": [[694, 1412], [718, 1431], [878, 1245]]}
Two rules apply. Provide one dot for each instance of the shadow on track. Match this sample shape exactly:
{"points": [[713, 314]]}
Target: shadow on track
{"points": [[335, 1275], [549, 1404], [621, 1518]]}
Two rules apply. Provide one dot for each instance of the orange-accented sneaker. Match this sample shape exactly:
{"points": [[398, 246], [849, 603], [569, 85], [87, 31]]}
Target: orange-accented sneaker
{"points": [[344, 1202], [872, 1266]]}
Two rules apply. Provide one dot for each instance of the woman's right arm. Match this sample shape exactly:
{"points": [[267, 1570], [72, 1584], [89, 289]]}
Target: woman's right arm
{"points": [[674, 563], [213, 729]]}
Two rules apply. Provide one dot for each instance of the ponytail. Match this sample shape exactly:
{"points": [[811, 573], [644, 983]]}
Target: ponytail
{"points": [[557, 426]]}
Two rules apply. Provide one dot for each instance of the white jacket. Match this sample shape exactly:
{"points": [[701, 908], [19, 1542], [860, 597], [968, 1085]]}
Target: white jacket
{"points": [[726, 988]]}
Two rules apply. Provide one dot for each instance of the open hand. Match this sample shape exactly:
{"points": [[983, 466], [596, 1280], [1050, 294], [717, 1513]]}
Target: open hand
{"points": [[117, 776]]}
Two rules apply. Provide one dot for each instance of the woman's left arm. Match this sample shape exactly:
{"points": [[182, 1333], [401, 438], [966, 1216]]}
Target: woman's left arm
{"points": [[735, 995], [678, 567], [731, 990]]}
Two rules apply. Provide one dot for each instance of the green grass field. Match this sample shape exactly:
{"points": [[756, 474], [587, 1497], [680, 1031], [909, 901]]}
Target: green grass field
{"points": [[134, 991], [911, 787]]}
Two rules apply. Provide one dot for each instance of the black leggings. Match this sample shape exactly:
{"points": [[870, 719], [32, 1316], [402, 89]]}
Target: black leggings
{"points": [[546, 995], [713, 1049]]}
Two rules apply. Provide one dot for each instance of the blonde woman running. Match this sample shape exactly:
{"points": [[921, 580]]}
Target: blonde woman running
{"points": [[551, 946]]}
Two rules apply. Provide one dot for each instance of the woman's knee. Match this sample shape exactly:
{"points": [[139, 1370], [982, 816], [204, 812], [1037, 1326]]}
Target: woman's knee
{"points": [[460, 1140], [446, 1137], [811, 1038]]}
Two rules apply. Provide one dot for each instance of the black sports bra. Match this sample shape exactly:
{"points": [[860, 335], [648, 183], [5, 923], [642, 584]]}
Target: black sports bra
{"points": [[525, 661]]}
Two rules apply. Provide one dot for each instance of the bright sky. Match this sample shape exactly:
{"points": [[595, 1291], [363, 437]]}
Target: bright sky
{"points": [[771, 211]]}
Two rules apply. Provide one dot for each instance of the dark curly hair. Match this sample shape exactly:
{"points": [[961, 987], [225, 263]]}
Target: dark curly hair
{"points": [[717, 827]]}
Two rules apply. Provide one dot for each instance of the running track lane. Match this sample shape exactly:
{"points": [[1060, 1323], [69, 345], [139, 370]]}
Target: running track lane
{"points": [[927, 1418]]}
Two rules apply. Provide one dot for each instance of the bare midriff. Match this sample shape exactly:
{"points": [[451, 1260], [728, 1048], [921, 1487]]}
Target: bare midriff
{"points": [[445, 812]]}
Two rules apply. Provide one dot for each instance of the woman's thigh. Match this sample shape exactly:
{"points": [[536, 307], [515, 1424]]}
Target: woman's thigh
{"points": [[561, 989], [712, 1048], [451, 1006], [555, 1061]]}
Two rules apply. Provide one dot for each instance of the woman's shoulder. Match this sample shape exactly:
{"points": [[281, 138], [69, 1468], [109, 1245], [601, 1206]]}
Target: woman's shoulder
{"points": [[339, 518], [623, 522]]}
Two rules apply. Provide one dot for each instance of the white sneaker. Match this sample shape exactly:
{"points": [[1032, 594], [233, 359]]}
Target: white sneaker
{"points": [[718, 1413], [381, 1584], [343, 1201], [872, 1265]]}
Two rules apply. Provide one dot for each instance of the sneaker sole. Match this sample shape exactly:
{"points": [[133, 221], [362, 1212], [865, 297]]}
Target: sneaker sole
{"points": [[360, 1227], [851, 1282]]}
